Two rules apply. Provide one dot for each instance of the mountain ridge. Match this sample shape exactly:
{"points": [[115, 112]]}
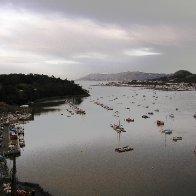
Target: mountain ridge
{"points": [[123, 76]]}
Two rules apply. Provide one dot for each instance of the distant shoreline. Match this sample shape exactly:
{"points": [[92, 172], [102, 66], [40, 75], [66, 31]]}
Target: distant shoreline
{"points": [[150, 85]]}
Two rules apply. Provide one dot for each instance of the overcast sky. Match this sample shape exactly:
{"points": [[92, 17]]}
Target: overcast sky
{"points": [[72, 38]]}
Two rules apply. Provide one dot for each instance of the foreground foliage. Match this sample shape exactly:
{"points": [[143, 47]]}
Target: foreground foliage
{"points": [[21, 89]]}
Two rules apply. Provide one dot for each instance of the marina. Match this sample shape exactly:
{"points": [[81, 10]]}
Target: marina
{"points": [[85, 149], [97, 98]]}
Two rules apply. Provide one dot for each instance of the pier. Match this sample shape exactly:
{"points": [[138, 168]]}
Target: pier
{"points": [[10, 149]]}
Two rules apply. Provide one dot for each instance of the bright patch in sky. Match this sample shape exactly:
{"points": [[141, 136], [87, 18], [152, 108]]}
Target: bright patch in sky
{"points": [[141, 52], [91, 55], [53, 40], [61, 62]]}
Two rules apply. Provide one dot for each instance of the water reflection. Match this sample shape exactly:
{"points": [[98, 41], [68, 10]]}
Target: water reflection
{"points": [[52, 105], [122, 148], [76, 156]]}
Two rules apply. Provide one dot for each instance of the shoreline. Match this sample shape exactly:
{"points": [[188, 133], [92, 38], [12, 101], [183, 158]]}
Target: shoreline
{"points": [[10, 148], [155, 86], [29, 187], [4, 107], [6, 174]]}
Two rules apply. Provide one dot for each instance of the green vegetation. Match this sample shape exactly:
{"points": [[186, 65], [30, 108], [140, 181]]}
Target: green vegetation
{"points": [[183, 76], [22, 89], [177, 77], [182, 73]]}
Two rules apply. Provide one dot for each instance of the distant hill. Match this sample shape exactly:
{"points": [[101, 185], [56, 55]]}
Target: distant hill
{"points": [[21, 89], [183, 76], [123, 76], [180, 76]]}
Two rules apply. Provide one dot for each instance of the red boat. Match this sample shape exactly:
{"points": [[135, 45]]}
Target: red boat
{"points": [[13, 136], [130, 120], [159, 122]]}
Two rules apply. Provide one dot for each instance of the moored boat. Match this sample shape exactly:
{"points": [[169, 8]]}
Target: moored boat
{"points": [[124, 149], [171, 115], [176, 138], [22, 144], [118, 128], [167, 131], [159, 122], [145, 116], [129, 119]]}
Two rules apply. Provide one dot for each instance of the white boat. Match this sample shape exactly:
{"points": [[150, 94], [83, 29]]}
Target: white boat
{"points": [[22, 144], [171, 115], [20, 131], [167, 131]]}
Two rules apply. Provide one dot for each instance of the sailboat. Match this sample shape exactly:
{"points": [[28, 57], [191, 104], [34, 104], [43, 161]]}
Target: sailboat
{"points": [[118, 127], [124, 148], [195, 150]]}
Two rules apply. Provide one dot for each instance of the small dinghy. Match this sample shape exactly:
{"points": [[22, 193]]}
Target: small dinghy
{"points": [[124, 149]]}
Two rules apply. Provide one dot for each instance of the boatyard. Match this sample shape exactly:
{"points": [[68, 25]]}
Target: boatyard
{"points": [[12, 141]]}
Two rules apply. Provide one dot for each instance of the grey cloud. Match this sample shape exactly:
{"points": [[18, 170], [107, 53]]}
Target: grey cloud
{"points": [[114, 11], [73, 38]]}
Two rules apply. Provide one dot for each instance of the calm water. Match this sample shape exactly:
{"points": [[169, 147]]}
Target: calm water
{"points": [[75, 155]]}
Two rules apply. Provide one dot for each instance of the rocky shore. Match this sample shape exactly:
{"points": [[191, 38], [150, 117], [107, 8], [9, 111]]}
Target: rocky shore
{"points": [[28, 189]]}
